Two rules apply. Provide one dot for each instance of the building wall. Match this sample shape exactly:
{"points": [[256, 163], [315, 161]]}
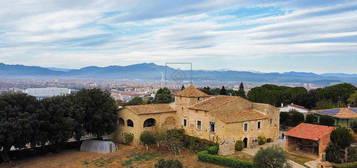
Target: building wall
{"points": [[162, 120], [269, 127], [323, 143], [290, 108]]}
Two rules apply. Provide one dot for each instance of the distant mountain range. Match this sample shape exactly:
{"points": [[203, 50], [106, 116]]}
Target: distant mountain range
{"points": [[150, 71]]}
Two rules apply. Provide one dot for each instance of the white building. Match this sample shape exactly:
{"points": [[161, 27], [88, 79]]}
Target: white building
{"points": [[47, 92], [293, 107]]}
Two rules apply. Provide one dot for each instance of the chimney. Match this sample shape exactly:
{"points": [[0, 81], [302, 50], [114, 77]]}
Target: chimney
{"points": [[282, 104]]}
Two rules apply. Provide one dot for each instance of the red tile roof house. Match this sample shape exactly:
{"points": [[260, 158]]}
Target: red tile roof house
{"points": [[308, 139]]}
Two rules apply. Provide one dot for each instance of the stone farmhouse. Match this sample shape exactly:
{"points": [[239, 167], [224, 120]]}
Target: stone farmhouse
{"points": [[215, 118]]}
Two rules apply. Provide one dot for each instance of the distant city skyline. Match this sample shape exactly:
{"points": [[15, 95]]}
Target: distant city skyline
{"points": [[317, 36]]}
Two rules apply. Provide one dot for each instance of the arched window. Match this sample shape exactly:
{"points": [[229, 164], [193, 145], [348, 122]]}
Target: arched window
{"points": [[120, 122], [130, 123], [149, 122]]}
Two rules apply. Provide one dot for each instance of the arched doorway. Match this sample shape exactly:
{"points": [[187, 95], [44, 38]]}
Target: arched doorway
{"points": [[149, 122], [120, 122], [245, 141]]}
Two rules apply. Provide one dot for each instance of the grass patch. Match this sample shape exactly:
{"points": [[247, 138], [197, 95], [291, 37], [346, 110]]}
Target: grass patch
{"points": [[298, 159], [101, 162], [139, 158]]}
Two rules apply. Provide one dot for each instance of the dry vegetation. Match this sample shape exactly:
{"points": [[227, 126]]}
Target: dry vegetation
{"points": [[125, 157]]}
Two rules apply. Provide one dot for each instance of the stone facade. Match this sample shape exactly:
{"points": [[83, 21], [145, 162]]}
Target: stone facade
{"points": [[215, 118]]}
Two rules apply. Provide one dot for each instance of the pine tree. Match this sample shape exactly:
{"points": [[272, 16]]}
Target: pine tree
{"points": [[183, 87], [241, 91], [223, 91]]}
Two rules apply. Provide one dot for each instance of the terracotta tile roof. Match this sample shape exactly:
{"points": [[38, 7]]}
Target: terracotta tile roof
{"points": [[230, 109], [309, 131], [343, 113], [191, 91], [150, 108]]}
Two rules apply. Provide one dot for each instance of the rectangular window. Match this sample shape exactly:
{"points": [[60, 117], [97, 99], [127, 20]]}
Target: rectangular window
{"points": [[184, 122], [245, 126], [199, 124], [212, 126], [271, 121], [258, 124]]}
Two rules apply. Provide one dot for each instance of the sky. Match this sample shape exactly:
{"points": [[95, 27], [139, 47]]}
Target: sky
{"points": [[257, 35]]}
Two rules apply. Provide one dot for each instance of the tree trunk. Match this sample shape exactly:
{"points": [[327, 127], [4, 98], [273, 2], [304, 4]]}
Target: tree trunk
{"points": [[4, 154], [346, 155]]}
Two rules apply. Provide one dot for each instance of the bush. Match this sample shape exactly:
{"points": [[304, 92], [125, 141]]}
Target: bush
{"points": [[196, 144], [269, 140], [147, 138], [213, 150], [168, 164], [128, 138], [312, 119], [342, 137], [239, 145], [271, 157], [352, 154], [204, 156], [346, 165], [261, 140], [334, 153]]}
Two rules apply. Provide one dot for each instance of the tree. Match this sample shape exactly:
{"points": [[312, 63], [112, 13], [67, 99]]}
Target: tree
{"points": [[271, 157], [241, 91], [284, 118], [223, 91], [342, 137], [16, 121], [312, 119], [325, 104], [136, 101], [296, 118], [327, 120], [334, 153], [352, 100], [207, 90], [99, 111], [182, 87], [163, 95], [338, 94], [56, 125]]}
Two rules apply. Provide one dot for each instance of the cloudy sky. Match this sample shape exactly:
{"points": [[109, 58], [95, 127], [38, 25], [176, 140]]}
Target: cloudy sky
{"points": [[296, 35]]}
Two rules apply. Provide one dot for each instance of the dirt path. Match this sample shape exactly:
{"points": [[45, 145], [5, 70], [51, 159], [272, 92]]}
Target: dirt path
{"points": [[126, 157]]}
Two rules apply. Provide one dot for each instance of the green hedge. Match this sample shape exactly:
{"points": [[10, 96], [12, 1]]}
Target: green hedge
{"points": [[213, 149], [204, 156], [346, 165]]}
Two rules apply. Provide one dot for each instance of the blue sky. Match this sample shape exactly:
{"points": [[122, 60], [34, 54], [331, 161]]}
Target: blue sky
{"points": [[268, 36]]}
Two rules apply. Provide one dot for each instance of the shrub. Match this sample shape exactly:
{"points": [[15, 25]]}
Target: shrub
{"points": [[239, 145], [147, 138], [334, 153], [174, 140], [271, 157], [342, 137], [346, 165], [269, 140], [213, 149], [352, 154], [204, 156], [196, 144], [168, 164], [261, 140], [128, 138]]}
